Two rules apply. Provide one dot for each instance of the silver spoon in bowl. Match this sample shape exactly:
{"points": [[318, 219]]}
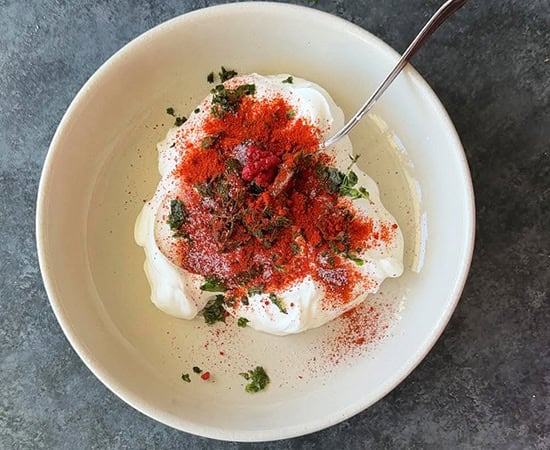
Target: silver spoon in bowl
{"points": [[440, 16]]}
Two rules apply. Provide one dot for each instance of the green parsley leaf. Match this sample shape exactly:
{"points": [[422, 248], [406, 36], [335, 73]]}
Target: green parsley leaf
{"points": [[244, 300], [214, 311], [210, 77], [171, 111], [290, 114], [242, 322], [197, 369], [258, 379], [185, 377], [213, 284], [226, 74], [178, 214], [289, 80], [197, 110], [278, 302]]}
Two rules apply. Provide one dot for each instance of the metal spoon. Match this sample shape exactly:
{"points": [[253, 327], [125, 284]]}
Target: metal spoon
{"points": [[441, 15], [287, 169]]}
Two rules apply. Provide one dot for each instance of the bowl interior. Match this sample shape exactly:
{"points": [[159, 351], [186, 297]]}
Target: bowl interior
{"points": [[102, 166]]}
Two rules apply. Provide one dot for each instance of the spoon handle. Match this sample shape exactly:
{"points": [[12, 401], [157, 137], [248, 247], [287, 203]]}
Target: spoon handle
{"points": [[441, 15]]}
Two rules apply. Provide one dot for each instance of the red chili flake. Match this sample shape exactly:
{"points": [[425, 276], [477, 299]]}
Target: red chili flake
{"points": [[205, 376], [222, 353]]}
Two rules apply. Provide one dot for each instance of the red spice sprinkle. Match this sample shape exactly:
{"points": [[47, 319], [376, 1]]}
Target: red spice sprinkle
{"points": [[205, 376], [242, 227], [222, 353]]}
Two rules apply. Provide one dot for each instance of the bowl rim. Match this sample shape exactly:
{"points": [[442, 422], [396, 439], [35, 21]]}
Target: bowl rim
{"points": [[211, 431]]}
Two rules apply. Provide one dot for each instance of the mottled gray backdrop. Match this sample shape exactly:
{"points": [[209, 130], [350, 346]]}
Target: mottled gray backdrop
{"points": [[486, 382]]}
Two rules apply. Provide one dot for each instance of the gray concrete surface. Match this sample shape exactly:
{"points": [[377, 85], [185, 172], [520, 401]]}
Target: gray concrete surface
{"points": [[486, 382]]}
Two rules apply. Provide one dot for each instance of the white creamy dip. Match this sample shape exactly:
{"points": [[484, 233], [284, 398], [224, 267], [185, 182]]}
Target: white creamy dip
{"points": [[177, 291]]}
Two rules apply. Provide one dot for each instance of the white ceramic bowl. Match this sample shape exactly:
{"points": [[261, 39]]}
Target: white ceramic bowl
{"points": [[102, 165]]}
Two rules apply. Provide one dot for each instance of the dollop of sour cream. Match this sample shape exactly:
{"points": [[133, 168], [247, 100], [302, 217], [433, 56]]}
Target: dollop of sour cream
{"points": [[177, 291]]}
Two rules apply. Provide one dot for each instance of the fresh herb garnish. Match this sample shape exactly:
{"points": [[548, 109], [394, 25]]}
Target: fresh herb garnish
{"points": [[185, 377], [289, 80], [290, 114], [228, 100], [180, 121], [232, 165], [178, 214], [295, 248], [343, 183], [209, 141], [197, 110], [354, 258], [242, 322], [210, 77], [244, 300], [350, 180], [226, 74], [258, 379], [255, 290], [214, 311], [278, 303], [213, 284], [197, 369]]}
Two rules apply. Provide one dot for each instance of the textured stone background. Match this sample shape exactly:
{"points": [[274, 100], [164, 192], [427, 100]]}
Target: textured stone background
{"points": [[486, 382]]}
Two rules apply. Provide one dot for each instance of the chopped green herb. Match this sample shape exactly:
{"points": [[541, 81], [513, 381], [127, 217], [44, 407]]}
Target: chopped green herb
{"points": [[204, 189], [258, 379], [290, 114], [180, 121], [208, 141], [295, 248], [226, 74], [232, 165], [214, 311], [210, 77], [171, 111], [213, 284], [278, 303], [255, 290], [289, 80], [355, 259], [347, 187], [342, 183], [197, 369], [228, 100], [244, 300], [185, 377], [178, 214], [197, 110], [242, 322]]}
